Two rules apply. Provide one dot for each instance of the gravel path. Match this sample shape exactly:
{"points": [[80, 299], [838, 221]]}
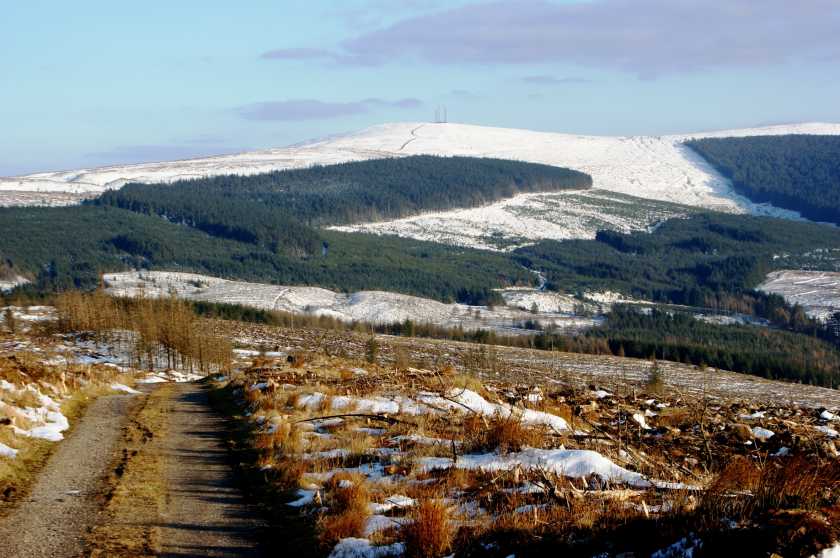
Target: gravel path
{"points": [[63, 504], [205, 514]]}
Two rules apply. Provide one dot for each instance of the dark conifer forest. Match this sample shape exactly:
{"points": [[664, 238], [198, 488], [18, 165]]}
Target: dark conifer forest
{"points": [[798, 172]]}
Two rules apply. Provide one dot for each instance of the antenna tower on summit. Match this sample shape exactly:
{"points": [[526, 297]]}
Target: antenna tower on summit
{"points": [[440, 114]]}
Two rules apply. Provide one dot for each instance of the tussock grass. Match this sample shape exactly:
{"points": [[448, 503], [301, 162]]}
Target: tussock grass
{"points": [[348, 497], [502, 433], [430, 530]]}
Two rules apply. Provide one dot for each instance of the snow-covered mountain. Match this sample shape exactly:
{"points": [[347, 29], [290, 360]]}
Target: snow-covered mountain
{"points": [[651, 167]]}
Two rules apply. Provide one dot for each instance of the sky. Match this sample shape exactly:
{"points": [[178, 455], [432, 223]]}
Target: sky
{"points": [[90, 83]]}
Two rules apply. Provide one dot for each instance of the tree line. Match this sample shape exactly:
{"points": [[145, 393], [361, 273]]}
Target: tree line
{"points": [[798, 172], [159, 333]]}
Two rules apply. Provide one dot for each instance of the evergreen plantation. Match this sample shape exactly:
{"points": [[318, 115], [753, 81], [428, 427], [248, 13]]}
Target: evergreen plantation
{"points": [[277, 210], [69, 247], [711, 260], [798, 172]]}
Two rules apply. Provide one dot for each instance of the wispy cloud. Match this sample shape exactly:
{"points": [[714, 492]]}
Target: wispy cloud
{"points": [[313, 109], [645, 37]]}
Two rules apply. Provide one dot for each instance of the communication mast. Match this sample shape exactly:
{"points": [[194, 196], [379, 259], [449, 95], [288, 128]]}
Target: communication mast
{"points": [[441, 116]]}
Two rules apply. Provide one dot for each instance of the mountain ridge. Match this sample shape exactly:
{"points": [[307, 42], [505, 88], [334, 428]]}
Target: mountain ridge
{"points": [[620, 163]]}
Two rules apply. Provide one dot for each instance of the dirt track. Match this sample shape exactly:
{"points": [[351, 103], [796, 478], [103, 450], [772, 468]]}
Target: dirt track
{"points": [[205, 514], [53, 520]]}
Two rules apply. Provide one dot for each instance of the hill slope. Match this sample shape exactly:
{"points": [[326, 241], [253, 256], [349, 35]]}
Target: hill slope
{"points": [[651, 167]]}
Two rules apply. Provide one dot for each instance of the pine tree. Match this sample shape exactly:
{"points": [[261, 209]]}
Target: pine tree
{"points": [[655, 380]]}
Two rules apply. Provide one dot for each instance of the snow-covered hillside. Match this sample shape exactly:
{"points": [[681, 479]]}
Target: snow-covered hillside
{"points": [[817, 291], [528, 218], [639, 181], [652, 167], [553, 309]]}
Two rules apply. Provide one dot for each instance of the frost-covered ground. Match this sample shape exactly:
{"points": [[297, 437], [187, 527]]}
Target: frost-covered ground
{"points": [[553, 309], [638, 180], [817, 291]]}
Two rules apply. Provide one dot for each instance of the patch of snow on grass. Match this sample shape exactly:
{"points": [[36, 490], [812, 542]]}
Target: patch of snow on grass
{"points": [[305, 498], [563, 462], [376, 523], [762, 433], [459, 400], [124, 388], [395, 501], [830, 432], [6, 451], [363, 548]]}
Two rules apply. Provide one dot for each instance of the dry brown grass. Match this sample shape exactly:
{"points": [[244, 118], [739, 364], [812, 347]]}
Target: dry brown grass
{"points": [[744, 489], [348, 498], [430, 531], [797, 482], [299, 359], [136, 489], [676, 417], [17, 475], [503, 433]]}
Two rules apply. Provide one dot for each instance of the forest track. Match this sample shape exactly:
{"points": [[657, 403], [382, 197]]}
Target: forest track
{"points": [[205, 514], [138, 476], [412, 138], [53, 520], [173, 491]]}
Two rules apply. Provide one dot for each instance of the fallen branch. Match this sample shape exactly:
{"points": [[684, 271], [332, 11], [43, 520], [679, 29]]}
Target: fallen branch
{"points": [[382, 418]]}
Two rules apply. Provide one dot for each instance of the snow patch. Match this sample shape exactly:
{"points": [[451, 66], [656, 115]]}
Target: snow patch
{"points": [[363, 548], [568, 463], [6, 451], [124, 388]]}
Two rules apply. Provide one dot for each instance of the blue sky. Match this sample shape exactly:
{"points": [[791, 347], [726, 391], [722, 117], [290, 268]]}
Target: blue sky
{"points": [[92, 82]]}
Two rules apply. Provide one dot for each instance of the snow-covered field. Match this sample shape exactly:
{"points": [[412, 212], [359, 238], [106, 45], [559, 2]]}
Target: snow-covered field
{"points": [[817, 291], [555, 310], [528, 218]]}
